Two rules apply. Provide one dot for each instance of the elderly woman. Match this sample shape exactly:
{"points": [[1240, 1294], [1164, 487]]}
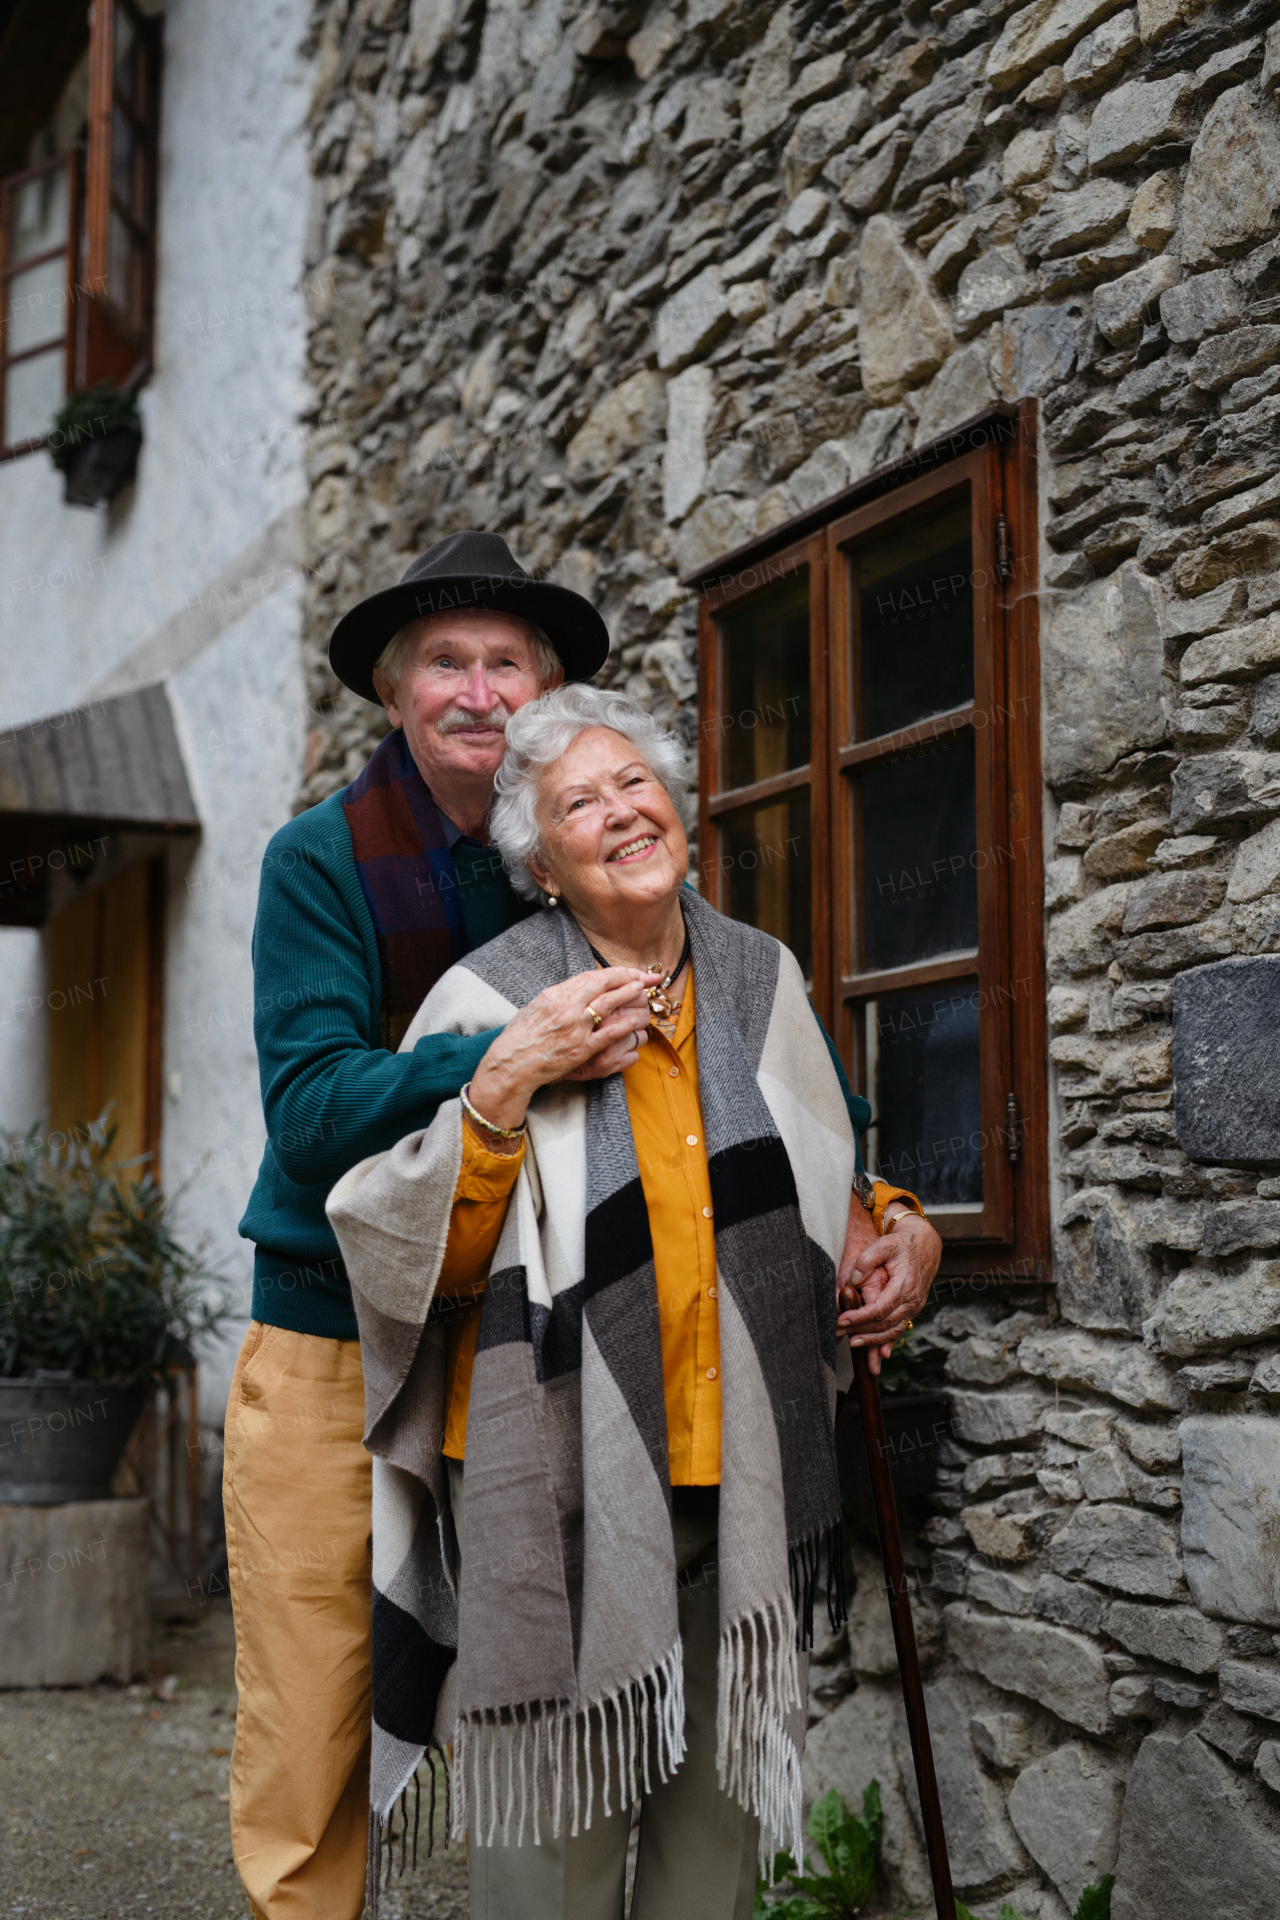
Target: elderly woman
{"points": [[599, 1326]]}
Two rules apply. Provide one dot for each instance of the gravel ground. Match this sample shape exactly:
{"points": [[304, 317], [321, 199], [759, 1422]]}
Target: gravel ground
{"points": [[113, 1800]]}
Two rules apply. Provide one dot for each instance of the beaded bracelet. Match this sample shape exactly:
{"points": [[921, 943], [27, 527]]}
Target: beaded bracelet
{"points": [[490, 1126]]}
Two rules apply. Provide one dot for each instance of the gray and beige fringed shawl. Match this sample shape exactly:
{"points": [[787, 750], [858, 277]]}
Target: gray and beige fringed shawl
{"points": [[565, 1622]]}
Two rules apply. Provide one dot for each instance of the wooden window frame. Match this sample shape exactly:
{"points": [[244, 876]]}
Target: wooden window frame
{"points": [[102, 342], [995, 454]]}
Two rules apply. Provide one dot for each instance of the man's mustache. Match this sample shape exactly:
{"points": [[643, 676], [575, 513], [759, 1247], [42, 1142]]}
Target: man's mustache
{"points": [[456, 721]]}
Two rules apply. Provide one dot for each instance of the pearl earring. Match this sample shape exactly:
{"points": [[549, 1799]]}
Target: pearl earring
{"points": [[553, 900]]}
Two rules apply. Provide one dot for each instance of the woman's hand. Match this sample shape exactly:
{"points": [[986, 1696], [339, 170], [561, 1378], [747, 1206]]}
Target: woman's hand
{"points": [[554, 1038], [891, 1274]]}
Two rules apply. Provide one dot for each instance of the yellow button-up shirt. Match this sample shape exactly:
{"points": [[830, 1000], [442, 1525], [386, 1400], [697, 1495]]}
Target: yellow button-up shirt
{"points": [[666, 1123]]}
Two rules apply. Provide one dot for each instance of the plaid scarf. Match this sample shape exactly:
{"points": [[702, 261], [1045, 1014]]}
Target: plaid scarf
{"points": [[564, 1613], [408, 879]]}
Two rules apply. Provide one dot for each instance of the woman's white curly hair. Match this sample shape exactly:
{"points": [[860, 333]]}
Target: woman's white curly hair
{"points": [[541, 732]]}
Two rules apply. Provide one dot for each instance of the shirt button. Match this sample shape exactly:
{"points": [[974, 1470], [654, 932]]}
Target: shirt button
{"points": [[674, 1072], [691, 1139], [712, 1294], [711, 1373], [706, 1213]]}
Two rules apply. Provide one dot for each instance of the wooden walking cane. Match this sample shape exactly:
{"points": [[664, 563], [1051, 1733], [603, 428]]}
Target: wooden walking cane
{"points": [[904, 1633]]}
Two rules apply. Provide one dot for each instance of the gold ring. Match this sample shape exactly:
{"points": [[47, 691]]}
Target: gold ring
{"points": [[597, 1019], [908, 1326]]}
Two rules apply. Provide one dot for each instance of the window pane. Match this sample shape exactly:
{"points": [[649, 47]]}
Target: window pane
{"points": [[765, 711], [33, 392], [39, 215], [765, 854], [37, 306], [919, 883], [923, 1057], [126, 51], [914, 586], [124, 272]]}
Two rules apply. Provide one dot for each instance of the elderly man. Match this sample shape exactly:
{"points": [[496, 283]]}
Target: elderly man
{"points": [[365, 902]]}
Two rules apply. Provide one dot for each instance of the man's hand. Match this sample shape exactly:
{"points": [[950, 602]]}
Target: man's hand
{"points": [[892, 1272]]}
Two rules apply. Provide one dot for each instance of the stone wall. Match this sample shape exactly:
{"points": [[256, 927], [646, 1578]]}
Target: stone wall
{"points": [[631, 284]]}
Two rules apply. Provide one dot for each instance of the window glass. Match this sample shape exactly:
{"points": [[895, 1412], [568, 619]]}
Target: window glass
{"points": [[37, 305], [765, 855], [34, 389], [125, 270], [918, 889], [765, 710], [913, 584], [39, 213], [923, 1079]]}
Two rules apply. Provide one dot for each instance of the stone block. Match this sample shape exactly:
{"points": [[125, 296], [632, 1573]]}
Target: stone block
{"points": [[1068, 222], [713, 529], [848, 1749], [1002, 1738], [619, 424], [1133, 1697], [1039, 351], [1208, 790], [1038, 35], [991, 283], [1267, 1764], [821, 130], [1231, 1515], [1186, 1695], [73, 1605], [1101, 54], [979, 1841], [1102, 659], [1010, 1528], [1233, 655], [764, 100], [1153, 217], [1176, 1636], [961, 388], [868, 186], [1121, 1547], [1028, 156], [1220, 362], [1069, 1603], [1186, 1814], [1066, 1810], [994, 1419], [1173, 900], [1156, 18], [1207, 1312], [942, 147], [1231, 1734], [1118, 1368], [997, 1587], [690, 398], [1152, 1447], [1061, 1670], [1237, 1224], [1226, 1059], [1132, 302], [1249, 550], [691, 321], [1101, 1474], [1107, 1279], [1137, 116], [905, 331], [1232, 186], [1255, 871], [1251, 1689], [1206, 303]]}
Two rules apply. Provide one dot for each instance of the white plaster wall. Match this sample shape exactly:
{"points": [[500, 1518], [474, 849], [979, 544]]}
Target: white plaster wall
{"points": [[80, 591]]}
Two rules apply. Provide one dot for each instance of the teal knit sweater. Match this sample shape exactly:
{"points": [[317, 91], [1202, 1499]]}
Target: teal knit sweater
{"points": [[331, 1094]]}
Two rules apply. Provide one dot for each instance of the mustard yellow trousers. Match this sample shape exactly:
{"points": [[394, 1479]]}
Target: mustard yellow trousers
{"points": [[297, 1488]]}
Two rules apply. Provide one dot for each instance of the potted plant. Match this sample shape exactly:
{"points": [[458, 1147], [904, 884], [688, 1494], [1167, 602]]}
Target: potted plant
{"points": [[98, 1301], [94, 442]]}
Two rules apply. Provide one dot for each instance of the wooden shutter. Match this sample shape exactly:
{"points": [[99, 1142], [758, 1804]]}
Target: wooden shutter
{"points": [[114, 335]]}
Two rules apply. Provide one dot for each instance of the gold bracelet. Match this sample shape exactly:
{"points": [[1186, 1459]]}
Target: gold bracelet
{"points": [[490, 1126], [886, 1225]]}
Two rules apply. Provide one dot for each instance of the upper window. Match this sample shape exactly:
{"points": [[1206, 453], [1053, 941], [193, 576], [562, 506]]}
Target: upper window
{"points": [[870, 767], [77, 231]]}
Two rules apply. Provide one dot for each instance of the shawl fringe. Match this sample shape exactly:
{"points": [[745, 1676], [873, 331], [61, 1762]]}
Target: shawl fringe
{"points": [[758, 1684], [382, 1829], [546, 1767], [804, 1562]]}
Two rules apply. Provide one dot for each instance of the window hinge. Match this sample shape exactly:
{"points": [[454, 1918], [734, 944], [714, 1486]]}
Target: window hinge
{"points": [[1012, 1128], [1004, 562]]}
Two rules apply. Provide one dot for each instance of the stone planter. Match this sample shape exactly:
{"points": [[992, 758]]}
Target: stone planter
{"points": [[102, 467], [61, 1438], [914, 1424]]}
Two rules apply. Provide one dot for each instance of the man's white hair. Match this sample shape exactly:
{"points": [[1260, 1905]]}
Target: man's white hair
{"points": [[541, 732], [392, 658]]}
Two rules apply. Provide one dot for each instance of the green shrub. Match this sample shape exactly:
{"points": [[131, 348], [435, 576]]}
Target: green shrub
{"points": [[93, 1280], [1094, 1904], [89, 416], [850, 1848]]}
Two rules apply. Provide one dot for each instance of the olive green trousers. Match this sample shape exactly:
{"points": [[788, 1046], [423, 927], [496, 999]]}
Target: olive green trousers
{"points": [[697, 1847]]}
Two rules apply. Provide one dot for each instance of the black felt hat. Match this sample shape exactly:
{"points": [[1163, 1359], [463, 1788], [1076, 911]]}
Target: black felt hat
{"points": [[467, 570]]}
